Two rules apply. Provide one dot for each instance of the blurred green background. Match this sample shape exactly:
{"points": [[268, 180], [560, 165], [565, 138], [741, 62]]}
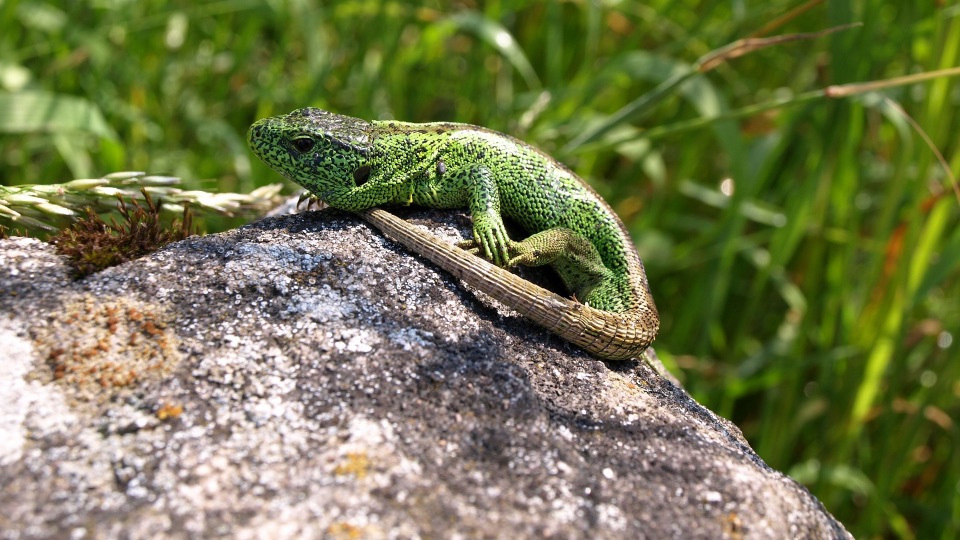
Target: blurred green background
{"points": [[803, 256]]}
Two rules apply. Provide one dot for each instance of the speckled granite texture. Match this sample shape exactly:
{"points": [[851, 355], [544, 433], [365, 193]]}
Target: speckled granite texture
{"points": [[305, 377]]}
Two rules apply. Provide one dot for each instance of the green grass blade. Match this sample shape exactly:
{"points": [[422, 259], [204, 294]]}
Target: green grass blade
{"points": [[46, 112], [495, 35]]}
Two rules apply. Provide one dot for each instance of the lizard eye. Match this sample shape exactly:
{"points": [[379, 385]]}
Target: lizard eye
{"points": [[303, 144], [361, 175]]}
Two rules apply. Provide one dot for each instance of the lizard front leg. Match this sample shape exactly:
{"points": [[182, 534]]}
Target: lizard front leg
{"points": [[476, 188], [373, 188]]}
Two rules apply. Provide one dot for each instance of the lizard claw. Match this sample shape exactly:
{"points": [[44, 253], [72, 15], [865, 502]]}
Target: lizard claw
{"points": [[311, 199], [470, 246], [493, 243]]}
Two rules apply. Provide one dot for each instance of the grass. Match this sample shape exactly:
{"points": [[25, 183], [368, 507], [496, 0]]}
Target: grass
{"points": [[803, 251]]}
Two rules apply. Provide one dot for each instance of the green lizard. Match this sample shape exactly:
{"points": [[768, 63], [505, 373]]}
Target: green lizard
{"points": [[356, 165]]}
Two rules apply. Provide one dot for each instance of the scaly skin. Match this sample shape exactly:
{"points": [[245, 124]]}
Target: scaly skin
{"points": [[356, 165]]}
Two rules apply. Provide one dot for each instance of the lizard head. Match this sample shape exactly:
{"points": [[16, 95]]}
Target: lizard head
{"points": [[323, 152]]}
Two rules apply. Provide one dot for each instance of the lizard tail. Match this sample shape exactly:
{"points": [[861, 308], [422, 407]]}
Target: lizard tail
{"points": [[605, 334]]}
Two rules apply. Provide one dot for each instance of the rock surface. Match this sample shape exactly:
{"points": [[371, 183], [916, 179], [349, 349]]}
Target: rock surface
{"points": [[305, 377]]}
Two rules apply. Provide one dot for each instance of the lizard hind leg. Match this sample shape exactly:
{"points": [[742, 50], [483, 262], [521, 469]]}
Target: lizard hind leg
{"points": [[546, 247], [575, 259]]}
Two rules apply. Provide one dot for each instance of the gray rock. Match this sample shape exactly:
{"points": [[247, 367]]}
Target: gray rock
{"points": [[305, 377]]}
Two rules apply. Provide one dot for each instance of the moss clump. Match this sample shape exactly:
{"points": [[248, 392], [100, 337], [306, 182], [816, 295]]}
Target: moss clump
{"points": [[91, 244]]}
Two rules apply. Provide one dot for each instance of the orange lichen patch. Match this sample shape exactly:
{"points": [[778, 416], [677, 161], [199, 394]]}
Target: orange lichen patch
{"points": [[99, 346], [732, 526], [345, 531], [356, 463], [622, 387], [169, 411]]}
